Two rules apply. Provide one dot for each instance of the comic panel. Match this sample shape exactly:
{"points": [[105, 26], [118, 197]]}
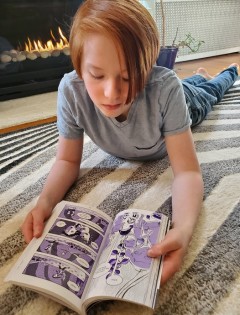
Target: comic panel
{"points": [[124, 263], [86, 216], [65, 249], [79, 232], [131, 236], [60, 273]]}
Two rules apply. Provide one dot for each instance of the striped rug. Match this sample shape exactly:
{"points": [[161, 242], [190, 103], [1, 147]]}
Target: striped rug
{"points": [[209, 280]]}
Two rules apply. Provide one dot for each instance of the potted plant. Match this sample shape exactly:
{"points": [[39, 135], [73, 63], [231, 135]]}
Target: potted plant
{"points": [[168, 54]]}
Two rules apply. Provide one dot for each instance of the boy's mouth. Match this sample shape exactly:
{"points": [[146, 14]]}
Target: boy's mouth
{"points": [[111, 106]]}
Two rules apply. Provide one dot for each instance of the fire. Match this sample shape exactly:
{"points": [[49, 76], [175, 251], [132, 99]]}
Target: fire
{"points": [[51, 44]]}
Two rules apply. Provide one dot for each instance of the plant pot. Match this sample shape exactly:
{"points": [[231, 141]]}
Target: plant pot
{"points": [[167, 57]]}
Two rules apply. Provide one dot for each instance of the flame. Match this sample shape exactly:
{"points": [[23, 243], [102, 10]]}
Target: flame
{"points": [[50, 45]]}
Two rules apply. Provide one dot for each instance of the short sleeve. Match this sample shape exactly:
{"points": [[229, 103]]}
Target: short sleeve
{"points": [[174, 110], [66, 113]]}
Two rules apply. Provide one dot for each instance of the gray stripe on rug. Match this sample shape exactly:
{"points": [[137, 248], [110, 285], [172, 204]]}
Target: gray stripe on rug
{"points": [[224, 106], [222, 116], [87, 182], [14, 299], [126, 194], [11, 246], [213, 172], [212, 128], [203, 146]]}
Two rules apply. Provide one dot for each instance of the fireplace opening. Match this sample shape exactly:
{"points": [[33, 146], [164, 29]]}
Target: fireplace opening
{"points": [[34, 49]]}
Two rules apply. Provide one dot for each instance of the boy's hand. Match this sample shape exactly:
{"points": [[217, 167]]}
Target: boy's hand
{"points": [[173, 247], [33, 224]]}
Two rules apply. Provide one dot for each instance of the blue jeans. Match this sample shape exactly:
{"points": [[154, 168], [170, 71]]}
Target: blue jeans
{"points": [[201, 94]]}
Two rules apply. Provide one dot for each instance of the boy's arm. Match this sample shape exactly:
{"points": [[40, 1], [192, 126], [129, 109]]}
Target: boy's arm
{"points": [[187, 195], [63, 173]]}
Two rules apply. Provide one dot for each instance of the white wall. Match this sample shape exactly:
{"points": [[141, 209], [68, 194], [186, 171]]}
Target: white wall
{"points": [[217, 22]]}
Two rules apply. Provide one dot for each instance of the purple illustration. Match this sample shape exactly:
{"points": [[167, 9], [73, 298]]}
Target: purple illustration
{"points": [[79, 232], [86, 216], [60, 273], [65, 249], [132, 235]]}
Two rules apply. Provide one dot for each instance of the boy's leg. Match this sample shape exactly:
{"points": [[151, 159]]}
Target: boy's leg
{"points": [[219, 84], [195, 80], [201, 97]]}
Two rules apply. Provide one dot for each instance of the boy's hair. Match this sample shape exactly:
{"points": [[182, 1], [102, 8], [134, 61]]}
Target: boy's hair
{"points": [[132, 28]]}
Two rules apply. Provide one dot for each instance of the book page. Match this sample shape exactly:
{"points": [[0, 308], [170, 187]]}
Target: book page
{"points": [[61, 261], [124, 270]]}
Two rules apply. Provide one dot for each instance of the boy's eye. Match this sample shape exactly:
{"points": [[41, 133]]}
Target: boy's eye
{"points": [[97, 77]]}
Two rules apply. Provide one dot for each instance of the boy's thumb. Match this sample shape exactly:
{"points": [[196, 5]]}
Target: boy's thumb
{"points": [[38, 225], [163, 247]]}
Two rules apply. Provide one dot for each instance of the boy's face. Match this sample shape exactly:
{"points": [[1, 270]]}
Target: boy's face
{"points": [[105, 76]]}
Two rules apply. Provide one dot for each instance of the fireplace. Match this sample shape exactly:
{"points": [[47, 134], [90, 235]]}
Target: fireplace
{"points": [[34, 52]]}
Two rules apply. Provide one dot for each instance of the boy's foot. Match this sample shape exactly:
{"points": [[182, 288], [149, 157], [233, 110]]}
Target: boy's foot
{"points": [[234, 65], [203, 72]]}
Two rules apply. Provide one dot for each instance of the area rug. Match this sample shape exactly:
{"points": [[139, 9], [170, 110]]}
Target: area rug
{"points": [[209, 279]]}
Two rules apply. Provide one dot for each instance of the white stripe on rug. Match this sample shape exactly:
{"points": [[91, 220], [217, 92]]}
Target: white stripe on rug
{"points": [[218, 155], [223, 111], [108, 184], [203, 136], [160, 188], [220, 122]]}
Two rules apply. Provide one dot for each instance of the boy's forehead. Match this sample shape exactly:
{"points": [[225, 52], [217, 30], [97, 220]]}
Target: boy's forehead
{"points": [[97, 68], [100, 51]]}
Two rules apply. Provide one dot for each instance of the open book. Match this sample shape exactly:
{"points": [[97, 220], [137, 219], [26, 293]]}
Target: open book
{"points": [[84, 257]]}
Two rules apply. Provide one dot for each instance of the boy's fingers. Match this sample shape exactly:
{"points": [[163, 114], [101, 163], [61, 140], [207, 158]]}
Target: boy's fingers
{"points": [[32, 226], [27, 228], [170, 266], [168, 244], [38, 224]]}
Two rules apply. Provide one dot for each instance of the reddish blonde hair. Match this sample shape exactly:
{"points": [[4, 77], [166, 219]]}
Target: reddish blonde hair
{"points": [[132, 28]]}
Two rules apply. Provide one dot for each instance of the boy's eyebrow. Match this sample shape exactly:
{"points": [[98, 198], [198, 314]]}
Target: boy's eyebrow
{"points": [[95, 67], [98, 68]]}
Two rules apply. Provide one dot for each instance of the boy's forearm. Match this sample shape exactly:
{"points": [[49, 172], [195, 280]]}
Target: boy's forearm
{"points": [[61, 177], [187, 196]]}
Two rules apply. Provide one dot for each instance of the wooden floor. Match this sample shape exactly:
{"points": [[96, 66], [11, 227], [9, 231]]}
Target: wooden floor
{"points": [[183, 70], [212, 64]]}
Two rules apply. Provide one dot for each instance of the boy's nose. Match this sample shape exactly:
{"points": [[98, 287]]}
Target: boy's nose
{"points": [[112, 90]]}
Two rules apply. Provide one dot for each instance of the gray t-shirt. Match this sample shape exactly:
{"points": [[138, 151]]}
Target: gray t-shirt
{"points": [[159, 110]]}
